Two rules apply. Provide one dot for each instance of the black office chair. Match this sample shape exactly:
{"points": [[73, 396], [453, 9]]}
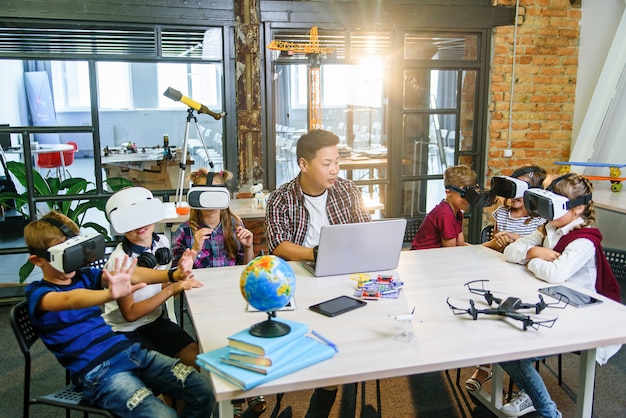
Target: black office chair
{"points": [[100, 263], [412, 225], [486, 234], [64, 398]]}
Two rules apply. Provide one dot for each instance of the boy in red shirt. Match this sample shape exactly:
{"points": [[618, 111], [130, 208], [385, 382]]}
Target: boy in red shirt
{"points": [[443, 226]]}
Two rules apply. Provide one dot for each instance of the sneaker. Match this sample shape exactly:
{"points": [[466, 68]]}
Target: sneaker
{"points": [[520, 404]]}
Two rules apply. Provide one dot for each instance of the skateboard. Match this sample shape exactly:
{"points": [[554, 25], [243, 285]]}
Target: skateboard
{"points": [[614, 176]]}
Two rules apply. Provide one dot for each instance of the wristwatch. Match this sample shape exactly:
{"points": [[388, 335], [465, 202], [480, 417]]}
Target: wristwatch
{"points": [[170, 275], [315, 252]]}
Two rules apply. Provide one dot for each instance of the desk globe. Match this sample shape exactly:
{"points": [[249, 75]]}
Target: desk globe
{"points": [[268, 283]]}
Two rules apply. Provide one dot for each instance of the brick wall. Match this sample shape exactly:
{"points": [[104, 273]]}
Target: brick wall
{"points": [[545, 84]]}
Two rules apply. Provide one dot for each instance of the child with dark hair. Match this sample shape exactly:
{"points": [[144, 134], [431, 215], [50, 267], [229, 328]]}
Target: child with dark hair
{"points": [[511, 219], [110, 371], [566, 249]]}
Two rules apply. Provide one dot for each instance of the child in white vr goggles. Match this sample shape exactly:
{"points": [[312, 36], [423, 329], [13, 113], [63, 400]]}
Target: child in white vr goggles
{"points": [[511, 221], [65, 310], [134, 212], [213, 231], [566, 249]]}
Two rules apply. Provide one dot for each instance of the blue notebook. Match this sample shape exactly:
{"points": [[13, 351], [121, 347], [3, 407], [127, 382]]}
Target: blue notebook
{"points": [[267, 360], [307, 352], [260, 346]]}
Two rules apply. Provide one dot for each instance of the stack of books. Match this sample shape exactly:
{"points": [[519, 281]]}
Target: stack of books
{"points": [[248, 361]]}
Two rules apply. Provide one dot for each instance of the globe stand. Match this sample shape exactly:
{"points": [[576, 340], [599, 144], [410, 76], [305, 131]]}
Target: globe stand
{"points": [[270, 328]]}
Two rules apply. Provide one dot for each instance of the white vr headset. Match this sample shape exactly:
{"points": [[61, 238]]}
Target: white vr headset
{"points": [[133, 208], [550, 205], [211, 196], [74, 253], [208, 197], [508, 187]]}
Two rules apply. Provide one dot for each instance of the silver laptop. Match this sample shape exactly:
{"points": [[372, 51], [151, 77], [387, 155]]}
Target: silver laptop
{"points": [[358, 248]]}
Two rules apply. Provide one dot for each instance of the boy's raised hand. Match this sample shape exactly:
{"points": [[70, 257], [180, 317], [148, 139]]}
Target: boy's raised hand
{"points": [[182, 285], [119, 283], [185, 264]]}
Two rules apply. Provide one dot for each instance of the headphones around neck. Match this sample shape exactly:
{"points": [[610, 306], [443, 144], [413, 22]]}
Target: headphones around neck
{"points": [[162, 256]]}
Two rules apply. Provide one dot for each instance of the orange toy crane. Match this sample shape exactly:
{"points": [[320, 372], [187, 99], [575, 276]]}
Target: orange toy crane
{"points": [[313, 52]]}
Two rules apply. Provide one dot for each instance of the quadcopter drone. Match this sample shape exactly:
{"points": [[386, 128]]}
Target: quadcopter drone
{"points": [[508, 308]]}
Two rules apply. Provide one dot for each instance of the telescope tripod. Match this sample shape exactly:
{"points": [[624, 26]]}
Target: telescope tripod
{"points": [[180, 209]]}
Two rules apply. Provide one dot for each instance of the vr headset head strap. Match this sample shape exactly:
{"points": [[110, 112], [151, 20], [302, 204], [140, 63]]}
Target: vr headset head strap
{"points": [[557, 180], [528, 170], [459, 190], [68, 232], [43, 253], [209, 178], [582, 200]]}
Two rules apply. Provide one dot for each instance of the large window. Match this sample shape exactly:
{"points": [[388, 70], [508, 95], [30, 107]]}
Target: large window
{"points": [[416, 124]]}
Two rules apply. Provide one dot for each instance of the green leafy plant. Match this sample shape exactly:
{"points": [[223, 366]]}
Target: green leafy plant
{"points": [[76, 210]]}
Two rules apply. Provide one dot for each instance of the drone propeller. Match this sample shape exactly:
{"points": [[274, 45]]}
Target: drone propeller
{"points": [[527, 321], [487, 294]]}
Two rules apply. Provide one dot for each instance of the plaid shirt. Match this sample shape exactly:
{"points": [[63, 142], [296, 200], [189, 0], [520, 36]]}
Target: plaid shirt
{"points": [[286, 218], [213, 252]]}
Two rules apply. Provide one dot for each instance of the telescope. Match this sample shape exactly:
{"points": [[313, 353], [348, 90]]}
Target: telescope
{"points": [[177, 96]]}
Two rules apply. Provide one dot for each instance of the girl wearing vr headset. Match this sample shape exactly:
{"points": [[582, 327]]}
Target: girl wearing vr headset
{"points": [[219, 238], [217, 235], [511, 219], [566, 248]]}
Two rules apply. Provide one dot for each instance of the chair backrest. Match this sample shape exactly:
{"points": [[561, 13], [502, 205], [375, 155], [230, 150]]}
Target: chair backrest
{"points": [[100, 263], [22, 327], [49, 160], [486, 234], [617, 261], [68, 156], [412, 225]]}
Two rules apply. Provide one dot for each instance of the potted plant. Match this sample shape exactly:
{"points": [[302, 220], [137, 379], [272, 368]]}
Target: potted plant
{"points": [[76, 210]]}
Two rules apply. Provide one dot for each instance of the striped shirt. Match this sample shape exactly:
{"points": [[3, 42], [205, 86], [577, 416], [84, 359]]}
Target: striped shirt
{"points": [[520, 226], [287, 219]]}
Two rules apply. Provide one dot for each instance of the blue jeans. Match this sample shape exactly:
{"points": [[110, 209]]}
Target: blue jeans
{"points": [[527, 378], [128, 384]]}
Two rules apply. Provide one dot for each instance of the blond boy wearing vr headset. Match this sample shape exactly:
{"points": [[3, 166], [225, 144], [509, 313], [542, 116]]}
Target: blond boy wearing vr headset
{"points": [[109, 370]]}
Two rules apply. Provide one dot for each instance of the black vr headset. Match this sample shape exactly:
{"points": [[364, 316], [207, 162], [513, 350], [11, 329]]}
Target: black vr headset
{"points": [[550, 205], [508, 187], [74, 253], [209, 196], [472, 194]]}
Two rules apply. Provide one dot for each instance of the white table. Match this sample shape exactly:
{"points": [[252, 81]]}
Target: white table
{"points": [[443, 341]]}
